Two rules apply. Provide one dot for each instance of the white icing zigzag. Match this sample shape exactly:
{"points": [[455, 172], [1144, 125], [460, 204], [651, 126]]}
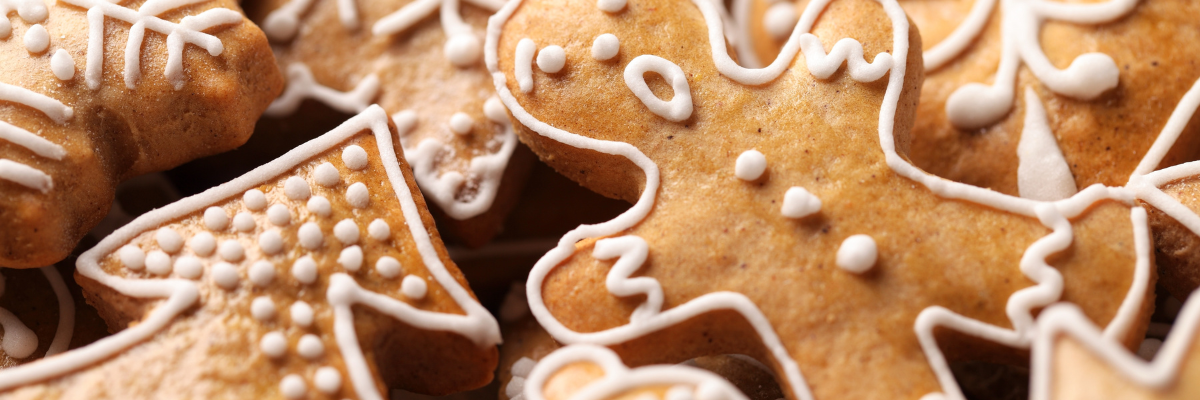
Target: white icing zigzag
{"points": [[19, 341], [686, 382], [19, 173]]}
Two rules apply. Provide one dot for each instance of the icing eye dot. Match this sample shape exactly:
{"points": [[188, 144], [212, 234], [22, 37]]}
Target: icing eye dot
{"points": [[274, 345], [326, 175], [351, 258], [780, 19], [133, 257], [388, 267], [37, 39], [243, 222], [750, 165], [310, 236], [231, 250], [270, 242], [327, 380], [405, 121], [413, 287], [169, 240], [296, 188], [610, 6], [262, 308], [62, 65], [158, 263], [346, 231], [203, 244], [358, 196], [354, 157], [262, 273], [255, 200], [461, 123], [216, 219], [305, 270], [320, 206], [225, 276], [799, 203], [551, 59], [495, 111], [279, 215], [292, 387], [188, 267], [605, 47], [310, 347], [379, 229], [32, 11], [857, 254], [302, 313], [523, 367], [463, 50]]}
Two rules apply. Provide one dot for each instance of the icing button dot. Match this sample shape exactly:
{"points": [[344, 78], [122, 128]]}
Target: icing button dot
{"points": [[405, 121], [799, 203], [320, 206], [225, 275], [274, 345], [310, 236], [133, 257], [551, 59], [605, 47], [326, 175], [262, 308], [388, 267], [327, 380], [262, 273], [243, 222], [62, 65], [346, 231], [463, 49], [279, 215], [292, 387], [305, 270], [379, 229], [310, 347], [413, 287], [169, 240], [351, 258], [780, 19], [188, 267], [32, 11], [203, 244], [296, 188], [158, 263], [857, 254], [270, 242], [610, 6], [523, 367], [216, 219], [461, 123], [358, 196], [354, 157], [495, 111], [37, 39], [302, 314], [231, 250], [254, 200], [750, 165]]}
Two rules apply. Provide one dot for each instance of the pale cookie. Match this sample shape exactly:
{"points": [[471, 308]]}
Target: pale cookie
{"points": [[93, 92], [283, 283], [585, 372], [838, 263], [422, 61]]}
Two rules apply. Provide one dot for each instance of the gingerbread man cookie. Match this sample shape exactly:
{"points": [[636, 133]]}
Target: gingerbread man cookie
{"points": [[93, 92], [318, 275], [774, 213], [422, 61]]}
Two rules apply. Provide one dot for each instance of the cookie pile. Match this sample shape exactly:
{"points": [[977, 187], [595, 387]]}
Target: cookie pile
{"points": [[533, 199]]}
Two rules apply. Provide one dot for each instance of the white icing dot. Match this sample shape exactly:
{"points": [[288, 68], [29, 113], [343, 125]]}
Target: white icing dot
{"points": [[243, 222], [188, 267], [750, 165], [169, 240], [216, 219], [379, 229], [358, 196], [262, 273], [305, 270], [351, 258], [225, 275], [857, 254], [354, 157], [780, 19], [32, 11], [274, 345], [203, 244], [310, 347], [296, 188], [346, 231], [270, 242], [262, 308], [495, 111], [551, 59], [231, 250], [326, 175], [461, 123], [405, 121], [158, 263], [523, 367], [255, 200], [611, 6], [302, 314], [515, 386], [327, 380], [463, 49], [413, 287], [320, 206], [37, 39], [799, 203], [310, 236], [133, 258], [605, 47], [292, 387], [388, 267], [62, 65], [279, 215]]}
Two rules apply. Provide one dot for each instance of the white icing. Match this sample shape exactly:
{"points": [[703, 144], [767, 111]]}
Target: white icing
{"points": [[462, 47], [413, 287], [188, 267], [550, 59], [326, 175], [203, 244], [461, 123], [605, 47], [346, 231], [225, 275], [483, 173], [243, 222], [686, 383], [169, 240], [857, 254], [358, 196], [293, 387], [279, 215], [354, 157], [799, 203], [66, 312], [494, 110], [216, 219], [523, 64], [262, 308], [132, 257], [270, 242], [302, 314], [1043, 173], [16, 172], [387, 267], [302, 85], [52, 108], [30, 11], [305, 270], [379, 229], [846, 50], [37, 39], [611, 6], [750, 165], [310, 236], [327, 380], [405, 121], [19, 341], [296, 188], [320, 206], [351, 258], [523, 367], [231, 250], [254, 200], [274, 345], [25, 175], [680, 106], [62, 65], [158, 263], [310, 347], [514, 388], [262, 273], [463, 50], [780, 19]]}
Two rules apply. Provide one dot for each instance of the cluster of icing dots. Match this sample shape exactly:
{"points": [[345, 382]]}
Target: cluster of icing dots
{"points": [[224, 258]]}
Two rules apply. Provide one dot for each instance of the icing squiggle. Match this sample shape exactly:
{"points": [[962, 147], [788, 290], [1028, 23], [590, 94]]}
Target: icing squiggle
{"points": [[685, 382], [302, 85]]}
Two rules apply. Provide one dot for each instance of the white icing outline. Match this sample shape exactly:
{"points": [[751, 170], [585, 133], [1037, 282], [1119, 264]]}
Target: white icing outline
{"points": [[1033, 265], [179, 294], [487, 169], [302, 85], [66, 317], [679, 107], [619, 379]]}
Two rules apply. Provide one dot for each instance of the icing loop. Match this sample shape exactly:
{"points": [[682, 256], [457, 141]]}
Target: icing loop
{"points": [[680, 106], [848, 50], [631, 253]]}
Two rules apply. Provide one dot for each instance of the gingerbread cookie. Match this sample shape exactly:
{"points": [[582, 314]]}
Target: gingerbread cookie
{"points": [[774, 213], [318, 275], [93, 92], [584, 372], [422, 61]]}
